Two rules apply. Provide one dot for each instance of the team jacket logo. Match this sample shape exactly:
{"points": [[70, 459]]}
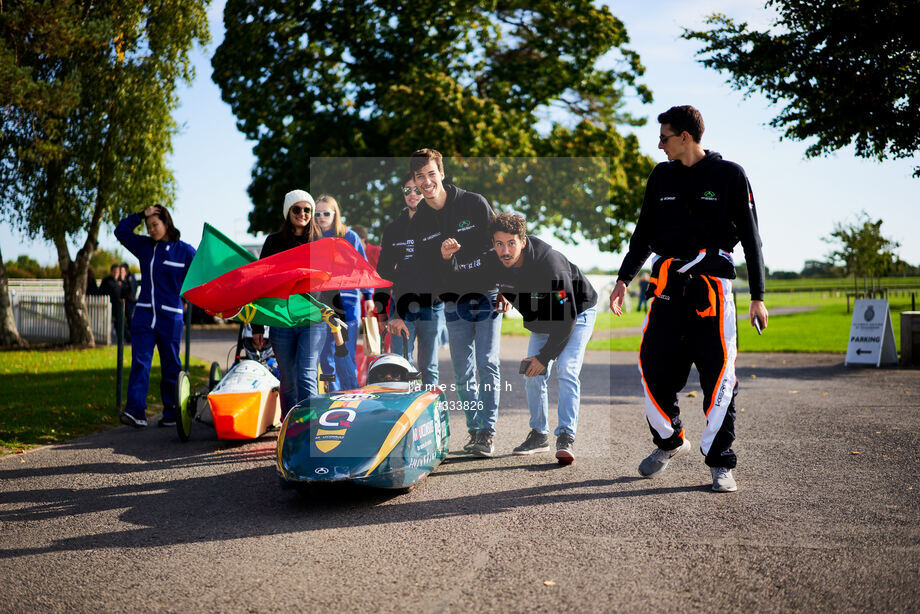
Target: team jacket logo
{"points": [[464, 224], [709, 195], [337, 420]]}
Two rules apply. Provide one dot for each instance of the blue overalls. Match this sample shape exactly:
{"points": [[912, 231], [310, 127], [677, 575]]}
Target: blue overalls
{"points": [[158, 317]]}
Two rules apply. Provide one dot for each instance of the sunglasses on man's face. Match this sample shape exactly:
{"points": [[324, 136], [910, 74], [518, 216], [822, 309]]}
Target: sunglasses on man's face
{"points": [[407, 190], [323, 213], [298, 210]]}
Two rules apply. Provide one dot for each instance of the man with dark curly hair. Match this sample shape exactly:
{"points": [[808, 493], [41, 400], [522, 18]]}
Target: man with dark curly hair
{"points": [[557, 303]]}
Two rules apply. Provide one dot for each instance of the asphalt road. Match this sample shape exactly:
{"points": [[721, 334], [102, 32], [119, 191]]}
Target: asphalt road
{"points": [[825, 519]]}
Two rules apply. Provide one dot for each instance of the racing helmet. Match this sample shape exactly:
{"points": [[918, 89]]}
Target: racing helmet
{"points": [[390, 367], [254, 353]]}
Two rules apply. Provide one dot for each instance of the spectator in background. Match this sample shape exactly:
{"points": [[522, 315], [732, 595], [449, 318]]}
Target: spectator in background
{"points": [[381, 299], [113, 286], [92, 288], [642, 304], [164, 261], [372, 251], [329, 219], [129, 293]]}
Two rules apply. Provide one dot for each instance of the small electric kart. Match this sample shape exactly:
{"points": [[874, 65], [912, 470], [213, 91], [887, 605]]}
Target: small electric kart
{"points": [[246, 402], [387, 434], [243, 404]]}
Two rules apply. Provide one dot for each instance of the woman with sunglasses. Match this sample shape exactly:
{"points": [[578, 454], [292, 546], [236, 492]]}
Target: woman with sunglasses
{"points": [[296, 349], [329, 219]]}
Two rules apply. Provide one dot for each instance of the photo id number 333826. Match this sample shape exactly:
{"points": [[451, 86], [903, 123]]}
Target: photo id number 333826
{"points": [[460, 405]]}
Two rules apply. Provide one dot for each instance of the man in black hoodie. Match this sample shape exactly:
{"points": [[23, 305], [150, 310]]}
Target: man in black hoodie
{"points": [[413, 309], [473, 323], [557, 303], [697, 207]]}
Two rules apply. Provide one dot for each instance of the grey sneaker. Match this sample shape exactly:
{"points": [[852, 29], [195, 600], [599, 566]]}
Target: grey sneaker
{"points": [[723, 480], [564, 445], [483, 446], [535, 442], [656, 462], [474, 437]]}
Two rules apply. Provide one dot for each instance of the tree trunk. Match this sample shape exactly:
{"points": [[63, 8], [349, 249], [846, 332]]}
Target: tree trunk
{"points": [[9, 335], [73, 273]]}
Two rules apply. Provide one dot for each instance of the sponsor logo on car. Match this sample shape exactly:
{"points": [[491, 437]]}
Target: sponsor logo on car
{"points": [[422, 431], [421, 461], [339, 419], [354, 396]]}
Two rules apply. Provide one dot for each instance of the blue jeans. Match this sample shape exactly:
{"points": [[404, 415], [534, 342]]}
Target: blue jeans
{"points": [[297, 351], [568, 370], [344, 367], [474, 328], [426, 325]]}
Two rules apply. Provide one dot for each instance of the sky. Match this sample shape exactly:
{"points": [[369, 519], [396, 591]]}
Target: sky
{"points": [[798, 200]]}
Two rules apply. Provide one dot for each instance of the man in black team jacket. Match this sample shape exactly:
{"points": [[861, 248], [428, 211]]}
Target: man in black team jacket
{"points": [[414, 309], [557, 304], [697, 207], [473, 323]]}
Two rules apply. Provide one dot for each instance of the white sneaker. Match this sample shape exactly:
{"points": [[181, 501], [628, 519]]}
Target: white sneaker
{"points": [[723, 480], [656, 462]]}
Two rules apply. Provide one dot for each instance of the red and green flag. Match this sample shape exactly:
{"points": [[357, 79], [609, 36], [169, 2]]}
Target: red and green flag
{"points": [[227, 280]]}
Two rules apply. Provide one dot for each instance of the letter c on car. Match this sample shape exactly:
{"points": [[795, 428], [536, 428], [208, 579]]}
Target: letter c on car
{"points": [[324, 421]]}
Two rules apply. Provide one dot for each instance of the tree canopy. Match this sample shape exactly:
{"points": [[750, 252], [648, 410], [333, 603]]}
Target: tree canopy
{"points": [[87, 91], [862, 249], [846, 71], [358, 79]]}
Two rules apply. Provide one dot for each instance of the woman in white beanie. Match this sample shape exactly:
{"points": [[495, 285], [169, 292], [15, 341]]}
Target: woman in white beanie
{"points": [[296, 349]]}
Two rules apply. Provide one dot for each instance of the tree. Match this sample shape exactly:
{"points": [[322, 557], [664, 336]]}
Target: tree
{"points": [[863, 251], [87, 92], [848, 71], [365, 83], [9, 334], [820, 268]]}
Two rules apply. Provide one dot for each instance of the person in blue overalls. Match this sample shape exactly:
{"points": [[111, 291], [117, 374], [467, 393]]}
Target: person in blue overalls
{"points": [[329, 218], [157, 321]]}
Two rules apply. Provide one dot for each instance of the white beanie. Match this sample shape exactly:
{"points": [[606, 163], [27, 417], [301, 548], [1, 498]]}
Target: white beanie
{"points": [[295, 196]]}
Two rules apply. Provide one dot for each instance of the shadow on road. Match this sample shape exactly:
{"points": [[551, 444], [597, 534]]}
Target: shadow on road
{"points": [[247, 503]]}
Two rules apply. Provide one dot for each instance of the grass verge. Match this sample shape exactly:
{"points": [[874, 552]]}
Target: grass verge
{"points": [[50, 396], [825, 329]]}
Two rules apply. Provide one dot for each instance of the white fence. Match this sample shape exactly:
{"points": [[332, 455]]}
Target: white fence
{"points": [[40, 317]]}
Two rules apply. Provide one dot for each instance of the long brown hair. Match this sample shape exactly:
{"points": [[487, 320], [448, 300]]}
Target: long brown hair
{"points": [[338, 228], [172, 233]]}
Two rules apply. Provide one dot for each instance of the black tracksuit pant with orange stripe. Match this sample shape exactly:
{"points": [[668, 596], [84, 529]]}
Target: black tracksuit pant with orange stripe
{"points": [[691, 321]]}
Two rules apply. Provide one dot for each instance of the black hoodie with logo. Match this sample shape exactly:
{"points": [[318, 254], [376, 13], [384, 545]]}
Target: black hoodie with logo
{"points": [[547, 289], [465, 217], [398, 264], [708, 206]]}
